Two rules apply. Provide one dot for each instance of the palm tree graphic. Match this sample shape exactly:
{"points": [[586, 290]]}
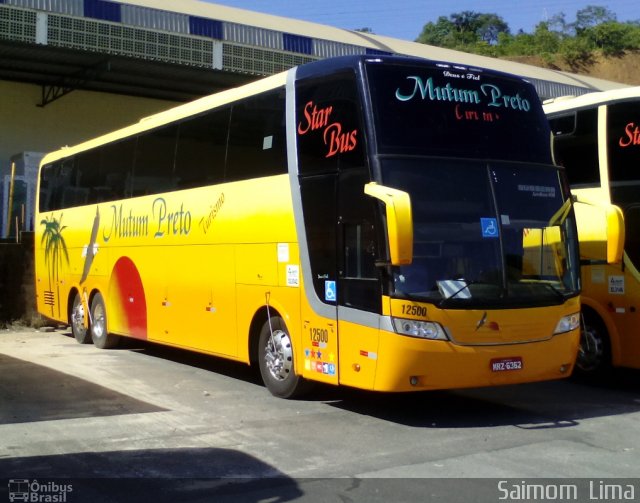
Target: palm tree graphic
{"points": [[54, 249]]}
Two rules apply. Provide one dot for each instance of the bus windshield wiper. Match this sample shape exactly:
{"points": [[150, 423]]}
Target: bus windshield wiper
{"points": [[463, 285], [557, 293]]}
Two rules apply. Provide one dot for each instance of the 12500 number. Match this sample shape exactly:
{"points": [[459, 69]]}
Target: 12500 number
{"points": [[413, 310], [319, 334]]}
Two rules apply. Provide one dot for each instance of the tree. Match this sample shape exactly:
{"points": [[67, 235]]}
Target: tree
{"points": [[489, 27], [632, 36], [545, 40], [609, 37], [591, 16], [576, 52], [463, 30], [558, 24], [595, 29], [441, 33]]}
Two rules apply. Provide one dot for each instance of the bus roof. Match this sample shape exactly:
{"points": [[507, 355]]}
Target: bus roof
{"points": [[564, 103]]}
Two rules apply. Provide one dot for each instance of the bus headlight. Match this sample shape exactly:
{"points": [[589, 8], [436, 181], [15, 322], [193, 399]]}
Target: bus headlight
{"points": [[567, 323], [423, 329]]}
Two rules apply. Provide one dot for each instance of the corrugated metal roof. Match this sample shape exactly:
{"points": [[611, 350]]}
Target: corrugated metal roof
{"points": [[370, 41], [243, 41]]}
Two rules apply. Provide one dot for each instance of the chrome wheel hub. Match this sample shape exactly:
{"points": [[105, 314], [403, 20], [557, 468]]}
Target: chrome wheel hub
{"points": [[77, 318], [278, 355], [98, 325]]}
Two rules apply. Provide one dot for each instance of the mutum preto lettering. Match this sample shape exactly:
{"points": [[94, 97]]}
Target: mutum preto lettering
{"points": [[170, 222], [428, 90], [501, 100], [121, 225]]}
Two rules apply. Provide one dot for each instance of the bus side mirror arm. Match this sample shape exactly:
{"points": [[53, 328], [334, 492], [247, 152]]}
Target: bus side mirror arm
{"points": [[399, 221]]}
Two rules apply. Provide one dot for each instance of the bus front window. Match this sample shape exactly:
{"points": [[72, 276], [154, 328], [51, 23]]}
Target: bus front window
{"points": [[496, 234]]}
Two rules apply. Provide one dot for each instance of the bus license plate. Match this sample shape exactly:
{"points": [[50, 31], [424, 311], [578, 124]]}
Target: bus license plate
{"points": [[506, 364]]}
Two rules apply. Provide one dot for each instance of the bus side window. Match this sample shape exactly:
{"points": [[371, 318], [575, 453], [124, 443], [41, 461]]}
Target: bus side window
{"points": [[66, 192], [575, 146], [257, 138], [46, 182], [153, 170], [202, 148], [116, 164]]}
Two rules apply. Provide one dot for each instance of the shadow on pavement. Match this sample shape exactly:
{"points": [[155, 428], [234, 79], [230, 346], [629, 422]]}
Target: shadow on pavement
{"points": [[30, 392], [208, 474], [554, 404]]}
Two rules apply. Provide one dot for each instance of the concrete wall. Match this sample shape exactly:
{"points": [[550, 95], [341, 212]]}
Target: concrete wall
{"points": [[17, 281]]}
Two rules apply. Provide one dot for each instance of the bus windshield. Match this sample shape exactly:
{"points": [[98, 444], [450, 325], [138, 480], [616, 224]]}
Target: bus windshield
{"points": [[493, 222], [486, 234]]}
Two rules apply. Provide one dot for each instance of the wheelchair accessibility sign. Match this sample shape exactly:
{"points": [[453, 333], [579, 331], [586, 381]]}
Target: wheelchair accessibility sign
{"points": [[330, 291], [489, 227]]}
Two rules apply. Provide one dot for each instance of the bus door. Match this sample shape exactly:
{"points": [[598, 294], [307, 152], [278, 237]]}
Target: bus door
{"points": [[337, 218], [359, 285], [342, 244], [623, 280], [319, 314]]}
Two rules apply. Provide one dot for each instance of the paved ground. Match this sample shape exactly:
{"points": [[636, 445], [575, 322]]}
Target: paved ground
{"points": [[122, 424]]}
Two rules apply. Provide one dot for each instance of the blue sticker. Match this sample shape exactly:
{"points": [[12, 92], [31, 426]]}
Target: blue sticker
{"points": [[330, 291], [489, 227], [328, 369]]}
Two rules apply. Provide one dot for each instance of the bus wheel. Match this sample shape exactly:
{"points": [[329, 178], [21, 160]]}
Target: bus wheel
{"points": [[101, 337], [594, 354], [275, 356], [78, 316]]}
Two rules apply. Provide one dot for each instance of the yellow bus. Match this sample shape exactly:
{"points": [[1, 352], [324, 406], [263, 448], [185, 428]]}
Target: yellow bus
{"points": [[597, 140], [384, 223]]}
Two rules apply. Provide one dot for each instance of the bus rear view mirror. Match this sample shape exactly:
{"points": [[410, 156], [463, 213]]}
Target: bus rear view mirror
{"points": [[615, 234], [399, 221], [602, 232]]}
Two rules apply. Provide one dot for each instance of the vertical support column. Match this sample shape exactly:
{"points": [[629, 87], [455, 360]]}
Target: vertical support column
{"points": [[10, 200], [42, 30], [217, 55]]}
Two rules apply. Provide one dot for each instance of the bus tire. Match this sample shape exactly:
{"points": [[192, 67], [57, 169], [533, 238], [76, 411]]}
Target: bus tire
{"points": [[78, 319], [99, 334], [594, 354], [276, 361]]}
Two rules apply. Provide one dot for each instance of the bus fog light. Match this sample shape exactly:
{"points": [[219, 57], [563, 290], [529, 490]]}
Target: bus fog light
{"points": [[564, 368], [421, 329], [568, 323], [413, 380]]}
